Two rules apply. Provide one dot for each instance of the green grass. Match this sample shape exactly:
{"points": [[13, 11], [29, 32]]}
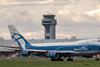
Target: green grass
{"points": [[33, 62]]}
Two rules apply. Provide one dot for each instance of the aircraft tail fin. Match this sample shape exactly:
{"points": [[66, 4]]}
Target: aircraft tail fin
{"points": [[17, 37], [12, 30]]}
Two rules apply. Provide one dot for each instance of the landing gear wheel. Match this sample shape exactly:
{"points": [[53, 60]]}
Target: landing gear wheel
{"points": [[70, 59], [52, 59], [60, 59], [97, 59]]}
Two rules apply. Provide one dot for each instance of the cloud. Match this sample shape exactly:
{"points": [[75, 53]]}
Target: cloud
{"points": [[31, 35], [94, 14], [74, 17], [30, 2]]}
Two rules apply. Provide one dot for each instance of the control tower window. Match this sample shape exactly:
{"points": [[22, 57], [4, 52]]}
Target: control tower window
{"points": [[48, 37]]}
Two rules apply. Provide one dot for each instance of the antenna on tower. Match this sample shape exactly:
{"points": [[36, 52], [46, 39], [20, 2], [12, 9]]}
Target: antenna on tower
{"points": [[51, 8]]}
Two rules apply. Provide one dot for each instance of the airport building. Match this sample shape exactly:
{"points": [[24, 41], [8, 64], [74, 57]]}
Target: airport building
{"points": [[49, 22]]}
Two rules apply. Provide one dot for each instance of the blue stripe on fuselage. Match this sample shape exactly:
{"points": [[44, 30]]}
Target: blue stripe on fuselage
{"points": [[92, 47]]}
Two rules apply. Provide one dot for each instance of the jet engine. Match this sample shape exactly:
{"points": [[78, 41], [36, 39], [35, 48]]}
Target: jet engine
{"points": [[87, 56], [25, 53], [53, 54]]}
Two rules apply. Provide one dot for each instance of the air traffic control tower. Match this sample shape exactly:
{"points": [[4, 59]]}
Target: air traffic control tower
{"points": [[49, 22]]}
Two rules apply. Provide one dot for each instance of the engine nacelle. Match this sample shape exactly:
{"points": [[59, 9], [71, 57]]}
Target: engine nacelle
{"points": [[87, 56], [52, 54], [25, 53]]}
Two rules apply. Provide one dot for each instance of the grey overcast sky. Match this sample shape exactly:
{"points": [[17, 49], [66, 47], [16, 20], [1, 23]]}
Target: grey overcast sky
{"points": [[74, 17]]}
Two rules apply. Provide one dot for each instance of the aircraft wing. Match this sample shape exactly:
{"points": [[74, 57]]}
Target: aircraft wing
{"points": [[11, 48], [45, 52]]}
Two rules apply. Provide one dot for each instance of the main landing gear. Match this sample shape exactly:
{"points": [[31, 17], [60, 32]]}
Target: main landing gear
{"points": [[97, 57], [57, 57], [60, 59], [53, 59], [70, 59]]}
